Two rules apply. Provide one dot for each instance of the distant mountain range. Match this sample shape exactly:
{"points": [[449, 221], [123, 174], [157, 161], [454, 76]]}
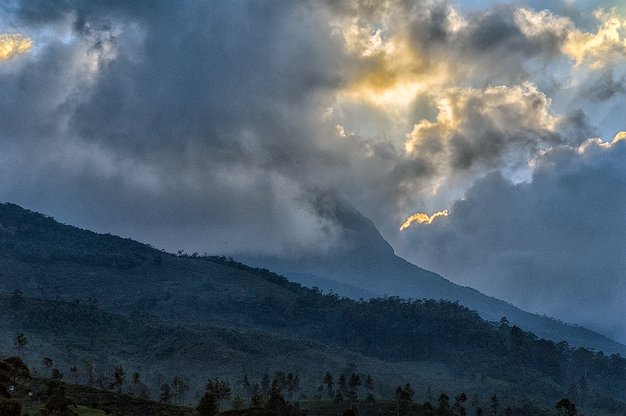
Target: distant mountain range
{"points": [[82, 297], [366, 266]]}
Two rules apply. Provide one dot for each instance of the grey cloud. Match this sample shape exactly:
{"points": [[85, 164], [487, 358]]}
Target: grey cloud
{"points": [[199, 115], [552, 245], [604, 86]]}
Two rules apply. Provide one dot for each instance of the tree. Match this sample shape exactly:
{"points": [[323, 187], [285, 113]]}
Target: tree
{"points": [[369, 383], [328, 380], [566, 407], [354, 383], [404, 396], [281, 380], [275, 400], [256, 400], [10, 407], [20, 341], [443, 404], [238, 403], [338, 397], [216, 392], [57, 404], [343, 384], [458, 407], [17, 299], [47, 362], [494, 405], [247, 386], [293, 385], [179, 388], [119, 376], [265, 385], [74, 371], [165, 393]]}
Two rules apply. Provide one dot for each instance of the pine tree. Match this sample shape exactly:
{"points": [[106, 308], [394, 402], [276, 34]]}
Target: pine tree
{"points": [[354, 383], [328, 380], [216, 392], [20, 341], [165, 394]]}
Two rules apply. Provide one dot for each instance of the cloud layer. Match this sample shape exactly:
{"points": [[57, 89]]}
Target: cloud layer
{"points": [[553, 244]]}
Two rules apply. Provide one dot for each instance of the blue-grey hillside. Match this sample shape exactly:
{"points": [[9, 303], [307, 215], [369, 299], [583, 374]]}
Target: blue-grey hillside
{"points": [[365, 265]]}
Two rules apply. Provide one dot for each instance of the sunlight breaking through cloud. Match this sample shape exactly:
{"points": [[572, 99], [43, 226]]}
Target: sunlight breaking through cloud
{"points": [[422, 218], [12, 44]]}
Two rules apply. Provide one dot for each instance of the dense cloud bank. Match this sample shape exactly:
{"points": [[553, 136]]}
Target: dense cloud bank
{"points": [[553, 245], [228, 127]]}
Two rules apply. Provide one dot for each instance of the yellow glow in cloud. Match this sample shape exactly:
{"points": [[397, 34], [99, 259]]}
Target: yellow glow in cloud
{"points": [[423, 218], [394, 73], [599, 48], [12, 44], [507, 108], [599, 143], [619, 137]]}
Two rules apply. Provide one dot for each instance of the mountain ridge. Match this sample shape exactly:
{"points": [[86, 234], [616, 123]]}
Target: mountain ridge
{"points": [[367, 262]]}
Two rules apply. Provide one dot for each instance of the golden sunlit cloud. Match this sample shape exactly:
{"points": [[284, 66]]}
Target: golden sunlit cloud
{"points": [[598, 49], [12, 44], [507, 108], [619, 137], [596, 142], [423, 218], [394, 72]]}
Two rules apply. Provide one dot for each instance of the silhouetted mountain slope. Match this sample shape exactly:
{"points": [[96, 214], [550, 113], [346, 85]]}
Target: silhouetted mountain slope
{"points": [[365, 261]]}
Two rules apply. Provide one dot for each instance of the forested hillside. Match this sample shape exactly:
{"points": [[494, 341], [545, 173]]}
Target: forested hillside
{"points": [[80, 297]]}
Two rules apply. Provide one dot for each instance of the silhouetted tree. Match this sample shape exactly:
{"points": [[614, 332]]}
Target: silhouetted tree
{"points": [[354, 383], [265, 384], [404, 396], [328, 380], [238, 403], [119, 377], [443, 405], [566, 407], [179, 388], [275, 400], [56, 374], [458, 407], [338, 397], [216, 392], [494, 405], [74, 371], [165, 393], [20, 341], [57, 404], [10, 407], [17, 299]]}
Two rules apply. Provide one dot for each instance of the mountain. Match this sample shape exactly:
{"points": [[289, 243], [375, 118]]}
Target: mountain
{"points": [[81, 297], [364, 265]]}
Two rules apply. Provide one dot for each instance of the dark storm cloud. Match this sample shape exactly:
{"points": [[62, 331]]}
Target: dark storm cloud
{"points": [[552, 245], [490, 46], [197, 115]]}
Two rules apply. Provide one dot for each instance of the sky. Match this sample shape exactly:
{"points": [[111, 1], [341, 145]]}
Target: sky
{"points": [[493, 133]]}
